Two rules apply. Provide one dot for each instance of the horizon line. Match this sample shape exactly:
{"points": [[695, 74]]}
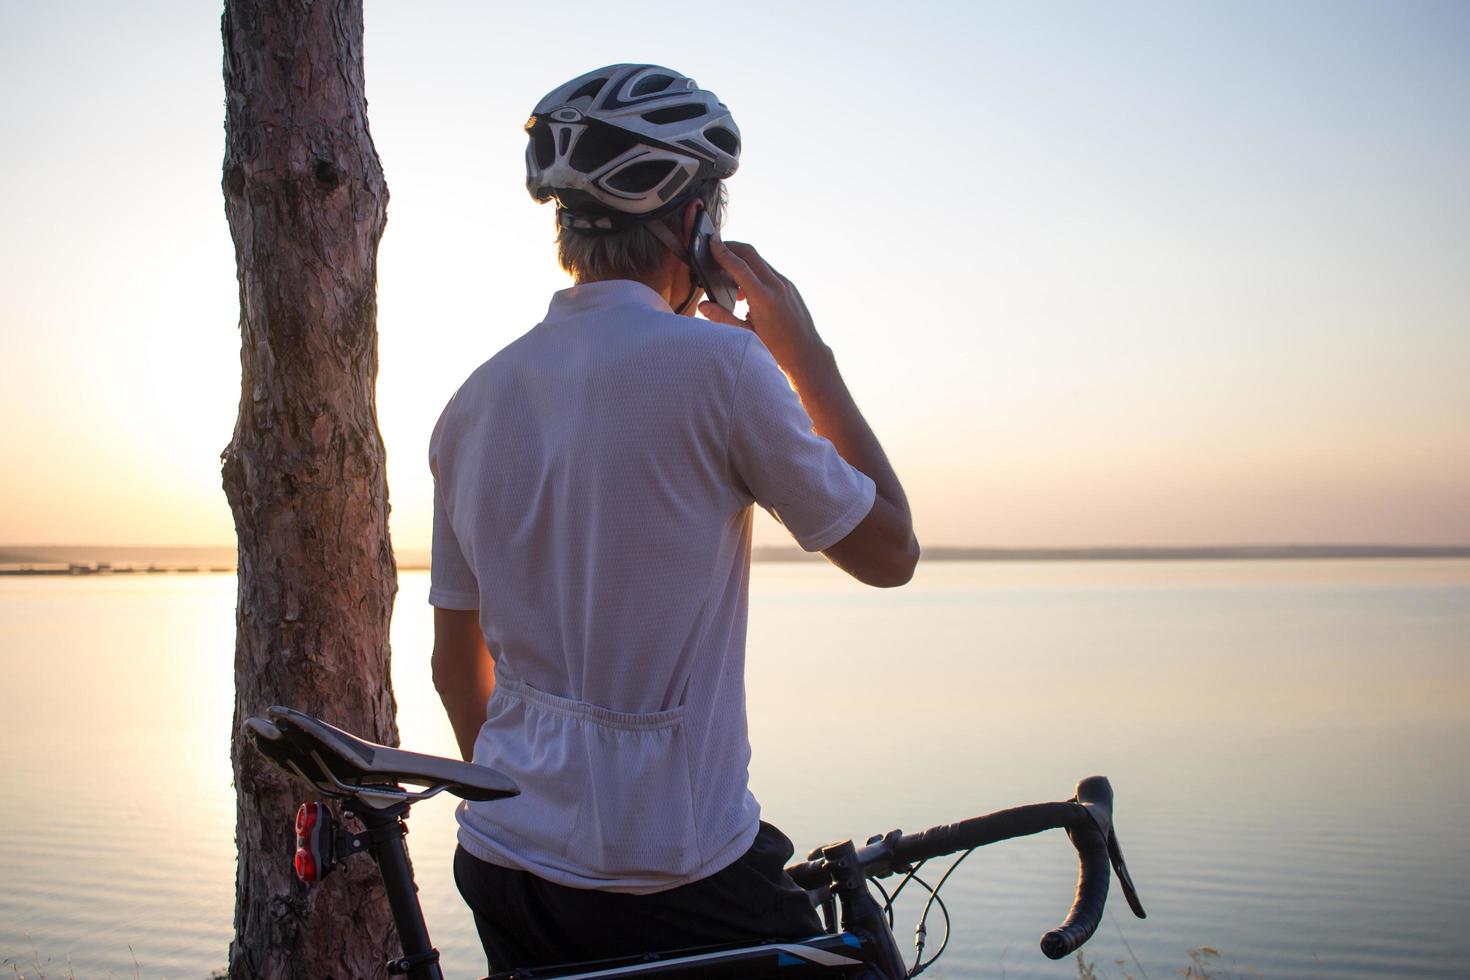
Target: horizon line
{"points": [[412, 559]]}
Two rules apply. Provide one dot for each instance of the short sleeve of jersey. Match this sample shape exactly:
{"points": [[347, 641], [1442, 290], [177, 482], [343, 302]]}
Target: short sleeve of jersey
{"points": [[790, 470], [452, 583]]}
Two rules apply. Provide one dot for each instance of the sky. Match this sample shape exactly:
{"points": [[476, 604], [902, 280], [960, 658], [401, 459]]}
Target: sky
{"points": [[1098, 274]]}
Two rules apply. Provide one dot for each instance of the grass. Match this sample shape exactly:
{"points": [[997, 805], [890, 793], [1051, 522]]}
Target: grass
{"points": [[32, 968], [36, 970], [1203, 965]]}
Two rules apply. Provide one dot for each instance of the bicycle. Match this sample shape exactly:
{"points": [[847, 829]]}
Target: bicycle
{"points": [[857, 942]]}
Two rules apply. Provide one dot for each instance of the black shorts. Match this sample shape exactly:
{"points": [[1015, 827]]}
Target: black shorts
{"points": [[526, 921]]}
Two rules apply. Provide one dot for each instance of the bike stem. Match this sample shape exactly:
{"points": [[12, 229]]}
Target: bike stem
{"points": [[386, 830], [861, 913]]}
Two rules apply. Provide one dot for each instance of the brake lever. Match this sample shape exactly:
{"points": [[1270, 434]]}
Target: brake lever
{"points": [[1095, 794], [1115, 854]]}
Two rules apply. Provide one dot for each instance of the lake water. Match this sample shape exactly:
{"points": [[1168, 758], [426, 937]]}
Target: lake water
{"points": [[1288, 742]]}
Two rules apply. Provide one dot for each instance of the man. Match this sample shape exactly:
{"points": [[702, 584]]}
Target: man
{"points": [[591, 548]]}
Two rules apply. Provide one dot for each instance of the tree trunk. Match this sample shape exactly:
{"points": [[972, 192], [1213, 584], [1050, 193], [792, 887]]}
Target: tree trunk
{"points": [[304, 473]]}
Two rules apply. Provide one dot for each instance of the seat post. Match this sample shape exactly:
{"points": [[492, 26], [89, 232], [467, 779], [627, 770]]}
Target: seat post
{"points": [[420, 960]]}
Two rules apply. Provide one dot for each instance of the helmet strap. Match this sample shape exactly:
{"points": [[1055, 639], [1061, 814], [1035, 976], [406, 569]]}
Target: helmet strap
{"points": [[662, 232]]}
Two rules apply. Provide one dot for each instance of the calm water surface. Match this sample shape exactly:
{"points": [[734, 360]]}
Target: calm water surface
{"points": [[1288, 741]]}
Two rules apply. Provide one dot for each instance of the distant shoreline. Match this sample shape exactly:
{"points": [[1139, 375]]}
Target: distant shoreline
{"points": [[80, 560], [1206, 553]]}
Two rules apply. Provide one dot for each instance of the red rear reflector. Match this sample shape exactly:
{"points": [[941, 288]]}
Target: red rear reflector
{"points": [[305, 818], [305, 866]]}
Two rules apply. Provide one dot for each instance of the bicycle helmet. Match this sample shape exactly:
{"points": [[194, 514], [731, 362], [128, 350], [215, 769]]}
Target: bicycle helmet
{"points": [[619, 145]]}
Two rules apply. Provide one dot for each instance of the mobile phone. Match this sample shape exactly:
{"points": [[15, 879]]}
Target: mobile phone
{"points": [[713, 278]]}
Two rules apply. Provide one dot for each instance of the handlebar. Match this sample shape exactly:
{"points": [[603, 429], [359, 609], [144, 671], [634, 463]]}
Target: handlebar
{"points": [[1087, 818]]}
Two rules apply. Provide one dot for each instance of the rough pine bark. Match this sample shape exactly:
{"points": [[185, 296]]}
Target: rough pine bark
{"points": [[304, 473]]}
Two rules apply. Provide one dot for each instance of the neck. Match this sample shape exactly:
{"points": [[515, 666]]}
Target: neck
{"points": [[671, 281]]}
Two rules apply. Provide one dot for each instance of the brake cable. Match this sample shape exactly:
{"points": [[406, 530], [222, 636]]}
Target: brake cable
{"points": [[921, 930], [887, 900], [920, 964], [909, 872], [921, 934]]}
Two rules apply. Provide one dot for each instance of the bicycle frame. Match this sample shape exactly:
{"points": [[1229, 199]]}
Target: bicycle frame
{"points": [[860, 949], [858, 944]]}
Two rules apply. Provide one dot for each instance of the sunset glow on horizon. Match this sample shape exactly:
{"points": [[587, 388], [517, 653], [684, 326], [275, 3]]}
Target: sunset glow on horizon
{"points": [[1151, 275]]}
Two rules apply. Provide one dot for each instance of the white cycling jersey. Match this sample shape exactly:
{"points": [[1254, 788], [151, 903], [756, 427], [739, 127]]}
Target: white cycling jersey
{"points": [[593, 491]]}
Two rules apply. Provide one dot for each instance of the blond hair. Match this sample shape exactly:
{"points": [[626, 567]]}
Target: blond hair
{"points": [[633, 253]]}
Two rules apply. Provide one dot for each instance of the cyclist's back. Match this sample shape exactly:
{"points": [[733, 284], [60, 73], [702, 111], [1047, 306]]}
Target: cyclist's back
{"points": [[597, 477], [594, 486]]}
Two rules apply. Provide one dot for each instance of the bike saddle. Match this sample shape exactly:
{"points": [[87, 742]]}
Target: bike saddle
{"points": [[336, 761]]}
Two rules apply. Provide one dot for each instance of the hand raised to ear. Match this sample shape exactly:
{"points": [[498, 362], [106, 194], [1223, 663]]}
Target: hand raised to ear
{"points": [[776, 313], [882, 549]]}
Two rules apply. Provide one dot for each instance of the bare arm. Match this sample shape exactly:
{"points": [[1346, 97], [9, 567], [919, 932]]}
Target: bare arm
{"points": [[464, 674], [882, 549]]}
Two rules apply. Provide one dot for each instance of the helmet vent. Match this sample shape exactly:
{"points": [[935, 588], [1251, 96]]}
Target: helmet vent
{"points": [[599, 146], [674, 113], [641, 177], [542, 146], [724, 139], [674, 186], [649, 84], [588, 91]]}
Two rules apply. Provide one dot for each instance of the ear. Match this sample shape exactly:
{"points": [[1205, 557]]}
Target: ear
{"points": [[691, 216]]}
